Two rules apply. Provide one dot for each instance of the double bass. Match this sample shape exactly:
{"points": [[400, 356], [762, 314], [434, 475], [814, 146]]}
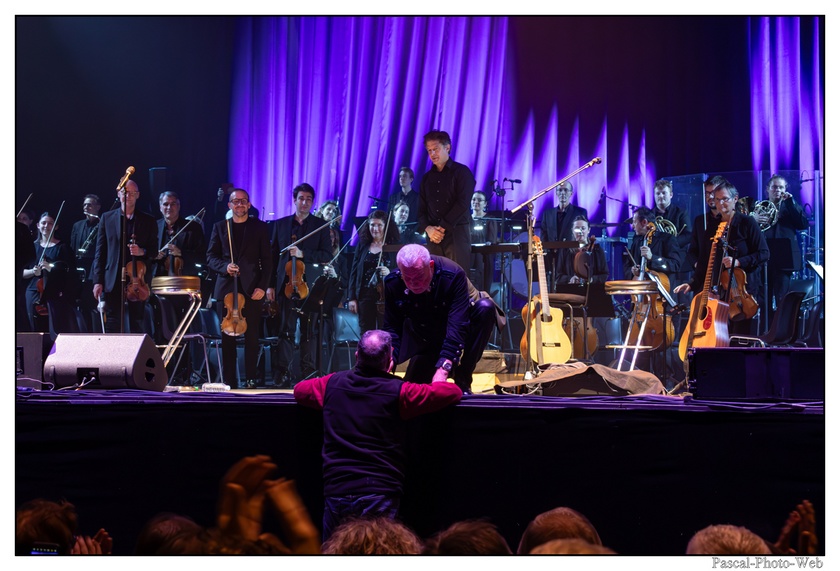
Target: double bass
{"points": [[708, 322]]}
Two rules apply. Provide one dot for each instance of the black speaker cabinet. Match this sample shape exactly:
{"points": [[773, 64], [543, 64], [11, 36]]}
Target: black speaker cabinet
{"points": [[767, 372], [113, 361], [32, 349]]}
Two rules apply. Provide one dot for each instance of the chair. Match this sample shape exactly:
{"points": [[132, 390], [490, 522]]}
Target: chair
{"points": [[783, 328], [813, 334], [211, 325], [345, 332], [167, 319]]}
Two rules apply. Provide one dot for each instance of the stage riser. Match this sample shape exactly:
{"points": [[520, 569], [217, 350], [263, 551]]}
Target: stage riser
{"points": [[737, 372]]}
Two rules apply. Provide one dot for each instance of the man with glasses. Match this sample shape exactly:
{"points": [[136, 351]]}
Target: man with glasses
{"points": [[556, 223], [110, 259], [785, 255], [83, 243], [316, 249], [239, 250]]}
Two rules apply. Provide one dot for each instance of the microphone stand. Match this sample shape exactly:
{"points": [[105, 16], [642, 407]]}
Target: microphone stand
{"points": [[123, 245], [532, 370]]}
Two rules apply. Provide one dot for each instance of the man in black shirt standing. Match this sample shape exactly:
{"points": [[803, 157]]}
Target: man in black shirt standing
{"points": [[83, 243], [444, 210], [406, 194]]}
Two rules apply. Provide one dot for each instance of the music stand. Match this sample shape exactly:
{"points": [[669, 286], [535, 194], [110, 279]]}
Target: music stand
{"points": [[314, 303]]}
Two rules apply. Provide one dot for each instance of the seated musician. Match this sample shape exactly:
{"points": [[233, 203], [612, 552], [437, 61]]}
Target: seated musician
{"points": [[595, 259], [662, 254]]}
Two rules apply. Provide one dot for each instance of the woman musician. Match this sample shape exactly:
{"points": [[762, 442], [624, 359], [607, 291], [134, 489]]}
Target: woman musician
{"points": [[370, 266], [747, 250], [48, 277]]}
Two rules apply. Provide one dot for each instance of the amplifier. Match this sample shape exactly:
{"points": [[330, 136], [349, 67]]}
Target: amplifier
{"points": [[747, 373]]}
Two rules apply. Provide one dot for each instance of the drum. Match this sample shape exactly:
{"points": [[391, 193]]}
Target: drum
{"points": [[176, 285]]}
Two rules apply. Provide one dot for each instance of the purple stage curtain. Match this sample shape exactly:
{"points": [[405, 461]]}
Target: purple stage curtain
{"points": [[343, 102]]}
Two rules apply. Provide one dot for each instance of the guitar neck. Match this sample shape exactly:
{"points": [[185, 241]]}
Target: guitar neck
{"points": [[543, 283]]}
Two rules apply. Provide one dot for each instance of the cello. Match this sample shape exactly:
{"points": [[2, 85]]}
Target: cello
{"points": [[707, 323], [545, 336], [234, 323], [658, 330]]}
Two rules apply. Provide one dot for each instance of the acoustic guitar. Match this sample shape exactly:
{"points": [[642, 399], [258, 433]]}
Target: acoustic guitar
{"points": [[545, 336], [708, 324]]}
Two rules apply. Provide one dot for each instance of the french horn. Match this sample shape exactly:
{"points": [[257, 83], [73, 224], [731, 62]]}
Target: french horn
{"points": [[665, 225], [768, 209]]}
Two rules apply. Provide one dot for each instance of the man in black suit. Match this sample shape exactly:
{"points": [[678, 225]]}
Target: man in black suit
{"points": [[406, 194], [250, 264], [83, 244], [785, 255], [187, 249], [556, 224], [140, 235], [314, 250]]}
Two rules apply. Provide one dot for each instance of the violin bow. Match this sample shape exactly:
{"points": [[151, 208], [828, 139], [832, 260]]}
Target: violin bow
{"points": [[24, 204], [52, 231], [200, 217]]}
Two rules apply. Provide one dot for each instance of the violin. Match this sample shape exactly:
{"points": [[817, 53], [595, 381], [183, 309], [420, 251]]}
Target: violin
{"points": [[234, 323], [742, 305], [296, 287], [582, 269], [733, 283], [41, 307], [657, 331], [174, 265], [136, 289]]}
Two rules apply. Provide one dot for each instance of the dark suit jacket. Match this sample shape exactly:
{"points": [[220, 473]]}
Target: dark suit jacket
{"points": [[667, 256], [790, 218], [254, 261], [108, 262], [190, 241], [679, 217], [316, 248], [548, 224]]}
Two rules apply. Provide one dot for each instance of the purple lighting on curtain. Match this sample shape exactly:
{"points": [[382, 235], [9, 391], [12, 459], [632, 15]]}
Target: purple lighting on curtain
{"points": [[342, 103]]}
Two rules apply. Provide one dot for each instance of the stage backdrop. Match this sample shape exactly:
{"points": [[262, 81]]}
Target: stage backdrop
{"points": [[342, 103]]}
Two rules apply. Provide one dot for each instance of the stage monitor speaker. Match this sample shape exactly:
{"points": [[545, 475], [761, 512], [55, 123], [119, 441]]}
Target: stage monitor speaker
{"points": [[746, 372], [113, 361], [32, 349]]}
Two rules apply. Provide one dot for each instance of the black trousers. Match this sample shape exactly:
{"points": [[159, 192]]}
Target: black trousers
{"points": [[424, 354], [252, 312]]}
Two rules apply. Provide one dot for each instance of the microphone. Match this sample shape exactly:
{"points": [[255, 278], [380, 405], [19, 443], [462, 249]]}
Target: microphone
{"points": [[595, 161], [603, 198], [128, 172], [514, 180]]}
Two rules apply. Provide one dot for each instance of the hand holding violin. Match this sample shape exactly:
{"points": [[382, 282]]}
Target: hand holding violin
{"points": [[645, 251], [136, 250], [233, 270], [729, 262]]}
